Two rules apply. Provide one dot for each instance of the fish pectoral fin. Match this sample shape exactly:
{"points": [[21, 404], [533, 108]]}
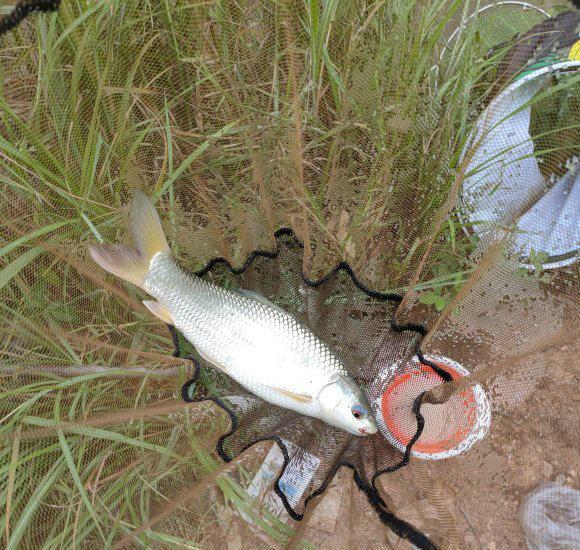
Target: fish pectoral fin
{"points": [[259, 298], [159, 311], [300, 397]]}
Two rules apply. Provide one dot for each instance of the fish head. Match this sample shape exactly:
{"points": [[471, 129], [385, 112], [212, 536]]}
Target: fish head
{"points": [[343, 404]]}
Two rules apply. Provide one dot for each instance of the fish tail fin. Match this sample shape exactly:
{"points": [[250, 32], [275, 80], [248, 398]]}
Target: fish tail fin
{"points": [[132, 263], [146, 227], [123, 261]]}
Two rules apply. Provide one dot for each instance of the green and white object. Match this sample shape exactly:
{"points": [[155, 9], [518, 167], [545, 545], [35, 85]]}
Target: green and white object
{"points": [[505, 186]]}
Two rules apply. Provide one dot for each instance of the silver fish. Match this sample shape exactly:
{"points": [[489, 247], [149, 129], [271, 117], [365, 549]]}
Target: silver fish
{"points": [[262, 347]]}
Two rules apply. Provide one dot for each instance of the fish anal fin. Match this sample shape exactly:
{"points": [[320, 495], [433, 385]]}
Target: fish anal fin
{"points": [[158, 310], [300, 397]]}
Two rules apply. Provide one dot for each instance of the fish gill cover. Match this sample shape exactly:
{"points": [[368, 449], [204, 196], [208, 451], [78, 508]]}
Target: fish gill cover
{"points": [[372, 154]]}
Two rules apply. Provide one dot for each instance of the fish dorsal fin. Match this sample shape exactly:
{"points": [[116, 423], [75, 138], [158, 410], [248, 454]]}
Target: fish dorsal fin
{"points": [[159, 311], [300, 397], [259, 298]]}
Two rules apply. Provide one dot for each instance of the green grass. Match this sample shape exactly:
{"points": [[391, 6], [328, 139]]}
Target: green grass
{"points": [[329, 119]]}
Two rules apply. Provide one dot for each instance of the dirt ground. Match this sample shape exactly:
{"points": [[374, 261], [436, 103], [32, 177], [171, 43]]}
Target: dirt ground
{"points": [[541, 450], [483, 489]]}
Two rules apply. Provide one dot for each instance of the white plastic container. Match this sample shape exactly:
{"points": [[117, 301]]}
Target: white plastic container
{"points": [[504, 185]]}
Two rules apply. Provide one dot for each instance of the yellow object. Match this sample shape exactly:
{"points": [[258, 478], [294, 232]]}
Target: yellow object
{"points": [[574, 54]]}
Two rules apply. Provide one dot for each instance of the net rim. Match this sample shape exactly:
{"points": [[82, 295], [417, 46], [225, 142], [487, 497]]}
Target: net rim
{"points": [[524, 6], [555, 261]]}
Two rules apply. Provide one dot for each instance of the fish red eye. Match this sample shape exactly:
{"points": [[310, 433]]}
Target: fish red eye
{"points": [[358, 411]]}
